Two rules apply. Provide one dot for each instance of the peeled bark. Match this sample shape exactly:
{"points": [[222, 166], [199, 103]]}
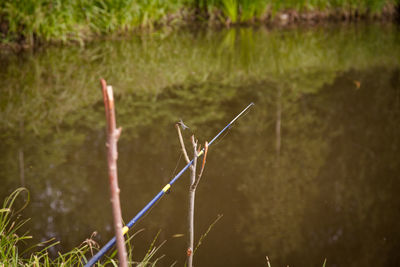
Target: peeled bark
{"points": [[112, 138]]}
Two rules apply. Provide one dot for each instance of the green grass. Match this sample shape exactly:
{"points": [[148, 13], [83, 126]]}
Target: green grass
{"points": [[78, 20], [12, 238], [247, 10], [43, 21]]}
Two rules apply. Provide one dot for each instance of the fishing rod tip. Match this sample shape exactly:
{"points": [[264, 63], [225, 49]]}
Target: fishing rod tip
{"points": [[252, 104]]}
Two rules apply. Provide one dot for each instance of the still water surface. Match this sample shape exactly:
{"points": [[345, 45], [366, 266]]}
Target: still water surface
{"points": [[311, 172]]}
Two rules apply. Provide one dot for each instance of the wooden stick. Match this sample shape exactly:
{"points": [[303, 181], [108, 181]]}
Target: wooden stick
{"points": [[112, 155]]}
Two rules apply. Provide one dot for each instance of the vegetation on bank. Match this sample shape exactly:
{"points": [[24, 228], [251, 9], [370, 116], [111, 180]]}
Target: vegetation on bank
{"points": [[13, 239], [30, 22]]}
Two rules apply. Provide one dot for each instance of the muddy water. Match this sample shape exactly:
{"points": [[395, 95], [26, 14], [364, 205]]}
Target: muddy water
{"points": [[311, 172]]}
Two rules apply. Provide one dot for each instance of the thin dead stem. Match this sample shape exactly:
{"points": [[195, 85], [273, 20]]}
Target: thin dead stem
{"points": [[182, 143], [202, 165]]}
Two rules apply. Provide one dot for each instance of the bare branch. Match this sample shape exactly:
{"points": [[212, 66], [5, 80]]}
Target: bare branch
{"points": [[112, 155], [182, 143], [202, 165]]}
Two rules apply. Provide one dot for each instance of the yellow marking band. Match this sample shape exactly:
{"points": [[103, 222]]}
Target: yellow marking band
{"points": [[201, 153], [166, 188], [125, 229]]}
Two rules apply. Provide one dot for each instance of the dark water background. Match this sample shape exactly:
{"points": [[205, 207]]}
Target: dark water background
{"points": [[311, 172]]}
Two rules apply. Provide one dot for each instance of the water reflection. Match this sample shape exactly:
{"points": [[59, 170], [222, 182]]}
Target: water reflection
{"points": [[328, 191], [309, 173]]}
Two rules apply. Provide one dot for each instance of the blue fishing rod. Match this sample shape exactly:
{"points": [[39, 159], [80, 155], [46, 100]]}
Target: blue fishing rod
{"points": [[165, 189]]}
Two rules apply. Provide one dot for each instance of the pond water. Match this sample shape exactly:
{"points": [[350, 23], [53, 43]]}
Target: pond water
{"points": [[311, 172]]}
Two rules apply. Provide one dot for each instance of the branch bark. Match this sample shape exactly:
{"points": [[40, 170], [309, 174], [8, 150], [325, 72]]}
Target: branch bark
{"points": [[202, 166], [112, 138], [192, 189], [192, 194]]}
